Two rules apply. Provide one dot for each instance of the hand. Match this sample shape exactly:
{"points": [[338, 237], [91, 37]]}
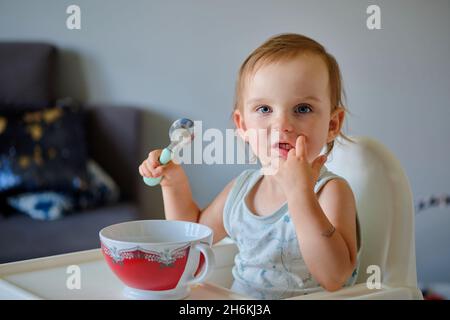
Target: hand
{"points": [[152, 168], [296, 173]]}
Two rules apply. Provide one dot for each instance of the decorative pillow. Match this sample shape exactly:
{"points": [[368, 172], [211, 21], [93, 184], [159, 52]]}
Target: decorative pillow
{"points": [[50, 205], [42, 205], [102, 189], [43, 150]]}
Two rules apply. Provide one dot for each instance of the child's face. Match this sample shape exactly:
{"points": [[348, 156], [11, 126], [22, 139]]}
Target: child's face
{"points": [[291, 97]]}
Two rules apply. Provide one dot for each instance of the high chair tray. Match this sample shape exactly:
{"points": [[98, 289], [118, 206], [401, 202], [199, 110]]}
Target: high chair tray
{"points": [[48, 277]]}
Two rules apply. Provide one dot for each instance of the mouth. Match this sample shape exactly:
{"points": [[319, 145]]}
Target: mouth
{"points": [[282, 148], [285, 146]]}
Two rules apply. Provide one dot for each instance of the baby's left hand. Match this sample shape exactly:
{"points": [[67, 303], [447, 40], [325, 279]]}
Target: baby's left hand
{"points": [[296, 173]]}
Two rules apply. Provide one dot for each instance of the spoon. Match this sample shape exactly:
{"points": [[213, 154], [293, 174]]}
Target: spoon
{"points": [[181, 133]]}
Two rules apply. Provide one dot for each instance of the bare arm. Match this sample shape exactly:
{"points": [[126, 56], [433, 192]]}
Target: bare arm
{"points": [[212, 215], [179, 205], [177, 195], [178, 200], [330, 259]]}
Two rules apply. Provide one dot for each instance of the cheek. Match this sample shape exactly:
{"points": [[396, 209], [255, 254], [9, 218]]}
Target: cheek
{"points": [[314, 150], [256, 129], [260, 143], [254, 121], [258, 138], [316, 140]]}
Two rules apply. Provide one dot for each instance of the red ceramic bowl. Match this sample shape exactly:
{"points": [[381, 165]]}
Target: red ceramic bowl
{"points": [[158, 259]]}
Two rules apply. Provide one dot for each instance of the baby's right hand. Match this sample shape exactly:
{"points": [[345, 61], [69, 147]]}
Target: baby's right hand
{"points": [[152, 168]]}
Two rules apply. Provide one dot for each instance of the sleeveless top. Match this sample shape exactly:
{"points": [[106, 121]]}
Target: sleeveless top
{"points": [[269, 264]]}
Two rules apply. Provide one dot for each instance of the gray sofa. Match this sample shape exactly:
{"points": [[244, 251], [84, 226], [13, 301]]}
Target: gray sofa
{"points": [[114, 137]]}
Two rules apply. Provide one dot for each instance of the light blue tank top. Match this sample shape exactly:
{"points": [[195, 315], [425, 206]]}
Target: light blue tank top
{"points": [[269, 264]]}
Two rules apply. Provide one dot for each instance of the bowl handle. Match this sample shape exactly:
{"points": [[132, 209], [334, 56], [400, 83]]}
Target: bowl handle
{"points": [[209, 264]]}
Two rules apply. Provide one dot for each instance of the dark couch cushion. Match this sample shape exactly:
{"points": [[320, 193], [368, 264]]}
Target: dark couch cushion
{"points": [[26, 74], [114, 136], [24, 238]]}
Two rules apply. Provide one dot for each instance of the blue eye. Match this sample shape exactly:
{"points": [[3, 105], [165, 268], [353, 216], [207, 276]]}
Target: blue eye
{"points": [[303, 108], [263, 109]]}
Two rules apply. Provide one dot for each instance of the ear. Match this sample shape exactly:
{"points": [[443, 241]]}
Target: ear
{"points": [[240, 124], [335, 125]]}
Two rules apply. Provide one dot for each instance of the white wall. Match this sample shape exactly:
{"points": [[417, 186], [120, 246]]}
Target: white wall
{"points": [[180, 59]]}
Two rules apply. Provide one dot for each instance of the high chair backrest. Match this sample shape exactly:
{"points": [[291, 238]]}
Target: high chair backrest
{"points": [[385, 209]]}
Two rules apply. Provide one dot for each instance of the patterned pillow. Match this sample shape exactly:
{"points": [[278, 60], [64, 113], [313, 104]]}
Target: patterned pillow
{"points": [[102, 189], [51, 205], [42, 150], [42, 205]]}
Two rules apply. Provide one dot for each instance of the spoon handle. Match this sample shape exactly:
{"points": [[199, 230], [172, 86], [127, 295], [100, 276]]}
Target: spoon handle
{"points": [[164, 158]]}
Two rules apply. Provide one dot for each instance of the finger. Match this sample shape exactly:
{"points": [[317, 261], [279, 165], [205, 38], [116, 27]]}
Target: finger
{"points": [[300, 147], [169, 165], [292, 153], [153, 161], [141, 171], [150, 169], [158, 171], [153, 158], [145, 171]]}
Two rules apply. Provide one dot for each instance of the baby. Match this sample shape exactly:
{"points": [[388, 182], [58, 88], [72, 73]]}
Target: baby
{"points": [[296, 227]]}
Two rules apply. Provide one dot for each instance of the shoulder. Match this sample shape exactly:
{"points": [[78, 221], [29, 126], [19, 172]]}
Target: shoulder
{"points": [[337, 197], [336, 187], [236, 184]]}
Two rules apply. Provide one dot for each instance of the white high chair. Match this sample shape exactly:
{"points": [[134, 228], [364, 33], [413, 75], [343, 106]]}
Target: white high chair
{"points": [[386, 214]]}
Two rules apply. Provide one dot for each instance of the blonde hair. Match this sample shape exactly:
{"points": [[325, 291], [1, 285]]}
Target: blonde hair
{"points": [[285, 47]]}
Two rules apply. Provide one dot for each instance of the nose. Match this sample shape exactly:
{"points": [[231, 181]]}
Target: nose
{"points": [[283, 123]]}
